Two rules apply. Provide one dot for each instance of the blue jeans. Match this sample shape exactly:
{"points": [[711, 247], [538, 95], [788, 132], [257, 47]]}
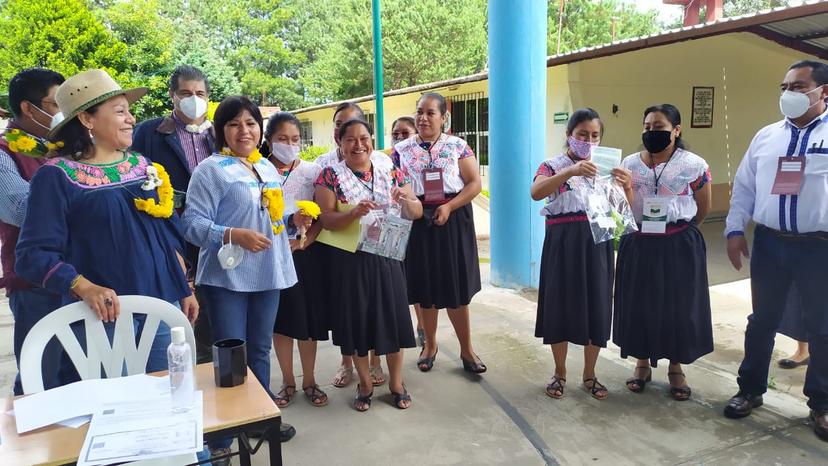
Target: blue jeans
{"points": [[249, 317], [777, 263], [28, 307]]}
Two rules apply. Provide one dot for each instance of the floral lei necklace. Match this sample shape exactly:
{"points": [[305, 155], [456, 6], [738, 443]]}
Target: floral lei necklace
{"points": [[272, 198], [157, 178]]}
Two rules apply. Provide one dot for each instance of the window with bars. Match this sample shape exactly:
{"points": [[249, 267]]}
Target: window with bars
{"points": [[306, 133], [470, 121]]}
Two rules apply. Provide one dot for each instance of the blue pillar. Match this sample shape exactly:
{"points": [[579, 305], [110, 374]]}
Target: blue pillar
{"points": [[517, 137]]}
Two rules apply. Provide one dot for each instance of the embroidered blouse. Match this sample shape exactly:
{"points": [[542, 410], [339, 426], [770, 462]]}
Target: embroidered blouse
{"points": [[351, 186], [446, 153], [224, 194], [568, 198], [678, 179], [82, 219]]}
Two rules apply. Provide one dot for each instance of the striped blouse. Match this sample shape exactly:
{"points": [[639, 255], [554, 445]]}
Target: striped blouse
{"points": [[223, 194]]}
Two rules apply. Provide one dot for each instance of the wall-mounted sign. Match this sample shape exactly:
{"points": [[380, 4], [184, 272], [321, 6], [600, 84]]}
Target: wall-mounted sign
{"points": [[702, 107], [560, 118]]}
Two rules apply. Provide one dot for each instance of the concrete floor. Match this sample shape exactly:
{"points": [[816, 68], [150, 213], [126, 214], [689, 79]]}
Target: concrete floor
{"points": [[504, 417]]}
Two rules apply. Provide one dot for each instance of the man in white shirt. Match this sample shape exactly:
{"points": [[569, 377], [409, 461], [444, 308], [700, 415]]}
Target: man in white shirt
{"points": [[782, 184]]}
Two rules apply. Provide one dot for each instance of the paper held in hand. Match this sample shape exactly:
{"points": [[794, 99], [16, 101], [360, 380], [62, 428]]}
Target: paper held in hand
{"points": [[606, 158]]}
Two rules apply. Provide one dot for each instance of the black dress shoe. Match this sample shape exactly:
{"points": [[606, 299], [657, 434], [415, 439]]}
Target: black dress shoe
{"points": [[791, 364], [741, 405], [820, 419], [286, 432]]}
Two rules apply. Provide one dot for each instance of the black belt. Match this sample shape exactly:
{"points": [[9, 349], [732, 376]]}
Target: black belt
{"points": [[817, 235]]}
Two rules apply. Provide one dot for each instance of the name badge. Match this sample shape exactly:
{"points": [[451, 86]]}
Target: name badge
{"points": [[433, 185], [789, 175], [654, 218]]}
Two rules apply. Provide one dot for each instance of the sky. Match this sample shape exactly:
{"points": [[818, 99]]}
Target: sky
{"points": [[668, 13]]}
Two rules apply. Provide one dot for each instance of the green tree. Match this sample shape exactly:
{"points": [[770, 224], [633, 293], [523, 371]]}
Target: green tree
{"points": [[588, 23], [149, 37], [742, 7], [63, 35], [423, 41]]}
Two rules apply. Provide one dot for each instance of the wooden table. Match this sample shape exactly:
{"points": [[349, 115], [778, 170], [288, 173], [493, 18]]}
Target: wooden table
{"points": [[228, 412]]}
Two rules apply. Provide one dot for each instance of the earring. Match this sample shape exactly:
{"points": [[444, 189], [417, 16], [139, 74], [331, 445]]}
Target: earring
{"points": [[91, 137]]}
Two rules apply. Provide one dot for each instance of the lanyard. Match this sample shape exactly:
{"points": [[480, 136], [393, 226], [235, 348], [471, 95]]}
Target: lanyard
{"points": [[657, 176], [368, 187], [429, 146]]}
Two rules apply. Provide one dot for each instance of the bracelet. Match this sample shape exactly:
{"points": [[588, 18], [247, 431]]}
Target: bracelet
{"points": [[75, 282]]}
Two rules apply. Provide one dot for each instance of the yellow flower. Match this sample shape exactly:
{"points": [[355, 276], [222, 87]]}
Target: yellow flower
{"points": [[54, 145], [25, 144], [253, 157], [13, 146], [165, 196], [309, 208], [275, 202]]}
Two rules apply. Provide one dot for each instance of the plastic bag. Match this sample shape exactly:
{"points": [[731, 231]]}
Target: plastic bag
{"points": [[384, 232], [608, 211]]}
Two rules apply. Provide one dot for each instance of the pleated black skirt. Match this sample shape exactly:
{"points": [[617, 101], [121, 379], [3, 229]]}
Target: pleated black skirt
{"points": [[662, 301], [371, 311], [793, 320], [303, 313], [441, 264], [575, 292]]}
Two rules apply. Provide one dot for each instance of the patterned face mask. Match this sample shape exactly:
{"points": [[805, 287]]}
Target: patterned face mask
{"points": [[581, 149]]}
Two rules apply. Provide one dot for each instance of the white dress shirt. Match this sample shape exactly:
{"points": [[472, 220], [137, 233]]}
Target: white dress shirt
{"points": [[803, 213]]}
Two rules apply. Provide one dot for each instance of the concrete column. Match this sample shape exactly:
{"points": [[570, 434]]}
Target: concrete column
{"points": [[517, 134]]}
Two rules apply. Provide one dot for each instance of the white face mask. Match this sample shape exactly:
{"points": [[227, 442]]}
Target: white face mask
{"points": [[57, 119], [193, 107], [285, 153], [795, 104], [230, 255]]}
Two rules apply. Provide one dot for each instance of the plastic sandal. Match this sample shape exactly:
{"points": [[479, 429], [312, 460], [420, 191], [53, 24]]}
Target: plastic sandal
{"points": [[426, 364], [555, 389], [641, 383], [315, 396], [343, 376], [284, 398], [679, 393], [472, 366], [399, 398], [595, 388], [362, 399], [377, 377]]}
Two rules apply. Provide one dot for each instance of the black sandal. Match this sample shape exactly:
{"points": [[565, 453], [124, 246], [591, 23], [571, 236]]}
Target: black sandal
{"points": [[363, 399], [680, 393], [641, 383], [596, 388], [472, 366], [426, 364], [285, 396], [399, 398], [315, 395], [555, 389]]}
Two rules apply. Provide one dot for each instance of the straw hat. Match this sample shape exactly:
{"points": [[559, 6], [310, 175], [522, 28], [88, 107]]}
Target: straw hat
{"points": [[84, 90]]}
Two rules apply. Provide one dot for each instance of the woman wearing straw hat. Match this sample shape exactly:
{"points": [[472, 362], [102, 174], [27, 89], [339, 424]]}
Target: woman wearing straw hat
{"points": [[100, 222]]}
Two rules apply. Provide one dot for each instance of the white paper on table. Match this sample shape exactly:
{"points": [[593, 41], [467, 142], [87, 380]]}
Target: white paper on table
{"points": [[75, 422], [140, 430], [606, 158], [83, 398]]}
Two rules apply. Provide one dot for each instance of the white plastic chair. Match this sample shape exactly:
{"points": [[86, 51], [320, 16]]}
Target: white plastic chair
{"points": [[100, 353]]}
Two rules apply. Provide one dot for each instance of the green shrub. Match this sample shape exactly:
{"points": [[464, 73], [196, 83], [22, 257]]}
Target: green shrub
{"points": [[311, 153]]}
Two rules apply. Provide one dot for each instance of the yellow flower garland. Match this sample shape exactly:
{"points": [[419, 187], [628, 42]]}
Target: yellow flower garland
{"points": [[253, 157], [275, 207], [165, 195]]}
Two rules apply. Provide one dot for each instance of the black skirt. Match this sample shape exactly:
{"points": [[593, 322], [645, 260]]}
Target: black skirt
{"points": [[303, 313], [441, 263], [371, 311], [793, 320], [662, 301], [575, 292]]}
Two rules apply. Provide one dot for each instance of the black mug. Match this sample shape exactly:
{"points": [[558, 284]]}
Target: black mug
{"points": [[230, 362]]}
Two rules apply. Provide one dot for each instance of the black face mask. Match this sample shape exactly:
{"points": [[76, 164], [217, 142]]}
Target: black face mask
{"points": [[656, 141]]}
